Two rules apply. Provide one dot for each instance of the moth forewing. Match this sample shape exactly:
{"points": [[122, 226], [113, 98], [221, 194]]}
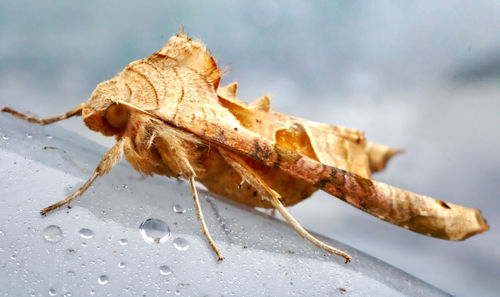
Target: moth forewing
{"points": [[170, 117]]}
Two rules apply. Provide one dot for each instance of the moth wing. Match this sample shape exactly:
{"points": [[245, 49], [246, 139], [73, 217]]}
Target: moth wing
{"points": [[332, 145], [206, 104], [338, 147], [182, 51], [379, 155], [200, 112]]}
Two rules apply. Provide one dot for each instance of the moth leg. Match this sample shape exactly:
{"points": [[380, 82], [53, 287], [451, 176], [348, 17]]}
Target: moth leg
{"points": [[176, 145], [110, 159], [199, 214], [77, 111], [256, 181]]}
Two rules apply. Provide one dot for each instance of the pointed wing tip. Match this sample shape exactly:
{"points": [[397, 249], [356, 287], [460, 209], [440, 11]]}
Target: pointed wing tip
{"points": [[379, 155], [263, 104], [473, 223], [228, 91], [482, 224]]}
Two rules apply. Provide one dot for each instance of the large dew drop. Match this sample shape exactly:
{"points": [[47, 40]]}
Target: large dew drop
{"points": [[52, 233], [154, 231]]}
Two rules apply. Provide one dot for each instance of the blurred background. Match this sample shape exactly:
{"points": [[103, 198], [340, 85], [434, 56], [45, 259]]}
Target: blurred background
{"points": [[420, 76]]}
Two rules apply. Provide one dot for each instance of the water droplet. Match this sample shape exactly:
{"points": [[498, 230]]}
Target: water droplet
{"points": [[29, 135], [165, 270], [71, 273], [5, 137], [67, 294], [49, 136], [103, 279], [121, 265], [154, 231], [181, 244], [123, 241], [52, 292], [92, 292], [86, 233], [177, 292], [110, 238], [179, 209], [13, 257], [52, 233]]}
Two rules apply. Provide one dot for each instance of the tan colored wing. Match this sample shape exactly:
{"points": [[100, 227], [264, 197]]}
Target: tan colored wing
{"points": [[412, 211], [332, 145], [181, 50], [200, 113]]}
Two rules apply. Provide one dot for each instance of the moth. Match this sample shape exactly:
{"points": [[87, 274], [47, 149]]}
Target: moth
{"points": [[170, 117]]}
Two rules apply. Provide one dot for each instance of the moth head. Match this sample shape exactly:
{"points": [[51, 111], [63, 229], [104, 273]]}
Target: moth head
{"points": [[102, 113]]}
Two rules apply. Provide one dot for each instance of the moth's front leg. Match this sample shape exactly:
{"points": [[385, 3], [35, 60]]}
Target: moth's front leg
{"points": [[110, 159], [248, 174]]}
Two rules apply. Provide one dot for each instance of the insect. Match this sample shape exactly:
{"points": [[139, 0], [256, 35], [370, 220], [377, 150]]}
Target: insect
{"points": [[170, 117]]}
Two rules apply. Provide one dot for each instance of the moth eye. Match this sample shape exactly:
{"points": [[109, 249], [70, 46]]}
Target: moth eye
{"points": [[117, 115]]}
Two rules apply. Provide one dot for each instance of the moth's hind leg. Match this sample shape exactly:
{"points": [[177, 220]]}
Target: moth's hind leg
{"points": [[107, 163], [248, 174], [77, 111], [199, 214]]}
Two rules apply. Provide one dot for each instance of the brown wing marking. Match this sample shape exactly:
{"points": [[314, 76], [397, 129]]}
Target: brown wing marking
{"points": [[418, 213]]}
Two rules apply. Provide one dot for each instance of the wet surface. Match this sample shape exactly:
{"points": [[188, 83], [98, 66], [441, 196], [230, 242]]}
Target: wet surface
{"points": [[116, 240]]}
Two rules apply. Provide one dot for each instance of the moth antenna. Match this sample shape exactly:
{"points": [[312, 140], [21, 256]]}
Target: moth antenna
{"points": [[154, 116], [77, 111], [138, 109]]}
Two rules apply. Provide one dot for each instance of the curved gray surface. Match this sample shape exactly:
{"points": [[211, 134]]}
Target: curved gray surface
{"points": [[264, 256]]}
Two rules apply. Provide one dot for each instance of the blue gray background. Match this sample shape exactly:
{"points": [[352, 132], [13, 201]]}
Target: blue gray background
{"points": [[422, 76]]}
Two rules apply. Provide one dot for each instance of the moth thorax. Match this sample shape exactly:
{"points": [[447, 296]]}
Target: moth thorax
{"points": [[117, 115]]}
